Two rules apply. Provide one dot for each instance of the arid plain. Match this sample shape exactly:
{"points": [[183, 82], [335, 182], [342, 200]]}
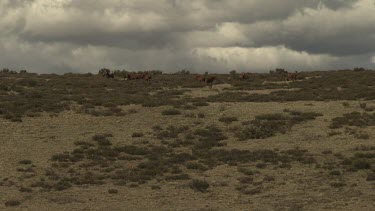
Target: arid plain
{"points": [[84, 142]]}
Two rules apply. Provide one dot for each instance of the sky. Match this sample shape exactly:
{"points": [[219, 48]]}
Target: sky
{"points": [[59, 36]]}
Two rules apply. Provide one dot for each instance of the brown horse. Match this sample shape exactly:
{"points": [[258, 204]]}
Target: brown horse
{"points": [[206, 79], [200, 78], [110, 75], [244, 76], [147, 77], [210, 80], [137, 76], [292, 76]]}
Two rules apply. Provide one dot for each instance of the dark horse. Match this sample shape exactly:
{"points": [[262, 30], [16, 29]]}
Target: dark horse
{"points": [[207, 80], [137, 76]]}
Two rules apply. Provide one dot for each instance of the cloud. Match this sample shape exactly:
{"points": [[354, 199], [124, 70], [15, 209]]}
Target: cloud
{"points": [[373, 60], [201, 35], [265, 58]]}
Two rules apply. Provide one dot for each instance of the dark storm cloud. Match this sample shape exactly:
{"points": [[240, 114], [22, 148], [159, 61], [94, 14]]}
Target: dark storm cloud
{"points": [[346, 32], [93, 22], [212, 35], [337, 4]]}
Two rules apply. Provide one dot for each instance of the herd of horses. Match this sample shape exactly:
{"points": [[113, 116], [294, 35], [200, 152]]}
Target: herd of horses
{"points": [[206, 79], [287, 76], [209, 80], [129, 76]]}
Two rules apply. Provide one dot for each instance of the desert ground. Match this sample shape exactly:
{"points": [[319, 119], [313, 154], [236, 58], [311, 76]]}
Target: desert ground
{"points": [[84, 142]]}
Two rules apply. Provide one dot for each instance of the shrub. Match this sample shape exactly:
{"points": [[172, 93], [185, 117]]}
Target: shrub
{"points": [[338, 184], [256, 132], [12, 203], [199, 185], [25, 162], [177, 177], [201, 103], [327, 151], [201, 115], [196, 166], [356, 164], [353, 119], [228, 120], [189, 115], [335, 173], [247, 191], [24, 189], [363, 105], [346, 104], [209, 137], [171, 112], [361, 164], [246, 171], [133, 185], [268, 125], [83, 144], [112, 191], [246, 180], [370, 176], [157, 128], [189, 107], [132, 111], [261, 165], [102, 139], [62, 185], [137, 135], [61, 157], [334, 133], [155, 187], [170, 132], [269, 178]]}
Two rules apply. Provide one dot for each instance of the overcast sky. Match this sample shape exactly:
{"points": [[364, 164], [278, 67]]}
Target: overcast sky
{"points": [[57, 36]]}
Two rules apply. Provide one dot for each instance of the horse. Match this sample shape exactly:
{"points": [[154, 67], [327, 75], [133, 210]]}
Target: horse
{"points": [[292, 76], [243, 76], [200, 78], [137, 76]]}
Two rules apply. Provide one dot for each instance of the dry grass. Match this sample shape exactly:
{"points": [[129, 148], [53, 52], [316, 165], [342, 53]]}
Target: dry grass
{"points": [[193, 155]]}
